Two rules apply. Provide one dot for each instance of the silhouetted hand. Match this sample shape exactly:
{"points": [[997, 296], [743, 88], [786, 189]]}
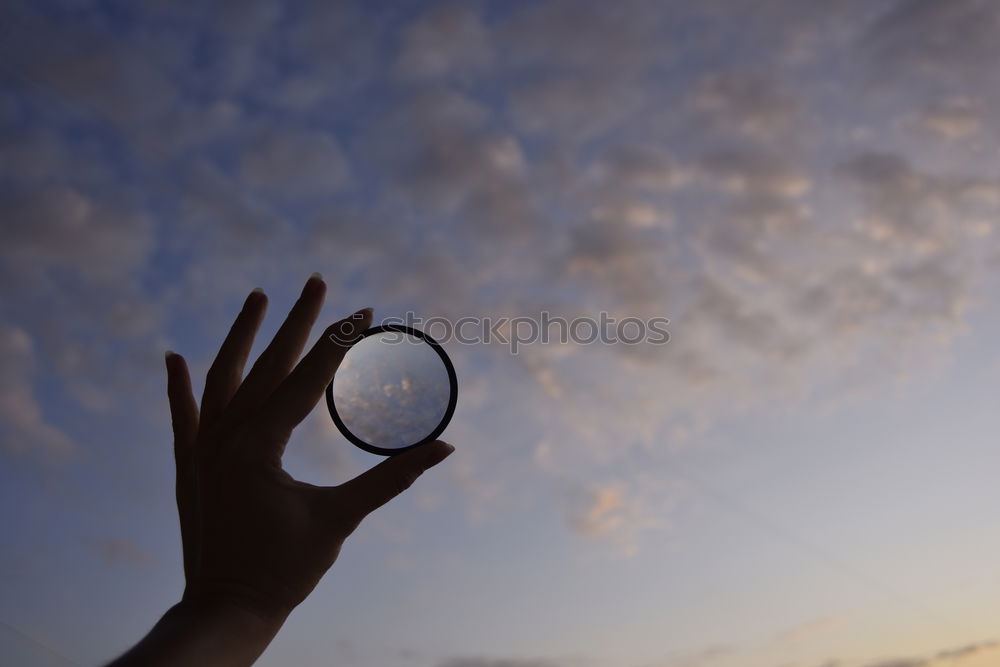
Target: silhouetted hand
{"points": [[256, 541]]}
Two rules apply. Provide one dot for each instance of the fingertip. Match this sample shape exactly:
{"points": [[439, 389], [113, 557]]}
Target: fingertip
{"points": [[256, 298], [435, 452], [347, 331], [176, 365], [315, 286], [446, 445], [171, 359], [362, 319]]}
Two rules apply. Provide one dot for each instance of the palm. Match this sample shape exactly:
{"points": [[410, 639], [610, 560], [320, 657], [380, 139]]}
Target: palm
{"points": [[273, 512]]}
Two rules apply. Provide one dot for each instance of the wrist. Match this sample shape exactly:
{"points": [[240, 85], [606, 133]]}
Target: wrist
{"points": [[211, 631], [242, 614]]}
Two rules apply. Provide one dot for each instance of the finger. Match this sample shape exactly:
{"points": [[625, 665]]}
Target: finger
{"points": [[295, 398], [224, 376], [184, 416], [377, 486], [183, 407], [283, 351]]}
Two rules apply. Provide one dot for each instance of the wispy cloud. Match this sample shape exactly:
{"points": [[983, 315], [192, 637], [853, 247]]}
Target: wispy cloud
{"points": [[120, 551]]}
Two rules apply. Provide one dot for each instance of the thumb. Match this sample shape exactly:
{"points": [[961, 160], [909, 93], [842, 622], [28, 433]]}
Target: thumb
{"points": [[380, 484]]}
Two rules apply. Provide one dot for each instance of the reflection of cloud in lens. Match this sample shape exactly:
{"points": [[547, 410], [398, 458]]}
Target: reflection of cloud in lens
{"points": [[391, 394]]}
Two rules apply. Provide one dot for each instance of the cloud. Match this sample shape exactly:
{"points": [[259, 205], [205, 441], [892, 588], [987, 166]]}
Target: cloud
{"points": [[498, 662], [440, 151], [747, 102], [753, 172], [945, 657], [945, 41], [120, 551], [919, 211], [22, 417], [295, 164], [575, 107], [953, 119], [807, 630], [76, 244], [644, 168], [90, 71], [586, 66], [968, 651], [615, 512], [568, 35], [701, 657], [447, 40], [391, 394], [48, 227]]}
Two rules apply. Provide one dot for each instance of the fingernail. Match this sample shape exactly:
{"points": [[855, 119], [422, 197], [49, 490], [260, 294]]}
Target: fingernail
{"points": [[316, 276], [168, 354]]}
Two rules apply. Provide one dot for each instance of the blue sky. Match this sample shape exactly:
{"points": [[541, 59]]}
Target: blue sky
{"points": [[804, 475]]}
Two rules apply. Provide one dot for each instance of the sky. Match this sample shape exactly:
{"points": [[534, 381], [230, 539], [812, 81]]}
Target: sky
{"points": [[803, 476]]}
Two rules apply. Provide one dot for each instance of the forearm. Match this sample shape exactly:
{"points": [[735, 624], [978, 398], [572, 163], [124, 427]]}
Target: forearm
{"points": [[220, 635]]}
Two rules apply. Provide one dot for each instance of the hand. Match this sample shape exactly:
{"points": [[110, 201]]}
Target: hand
{"points": [[256, 541]]}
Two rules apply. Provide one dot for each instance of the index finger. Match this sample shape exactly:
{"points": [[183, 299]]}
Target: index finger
{"points": [[298, 394]]}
